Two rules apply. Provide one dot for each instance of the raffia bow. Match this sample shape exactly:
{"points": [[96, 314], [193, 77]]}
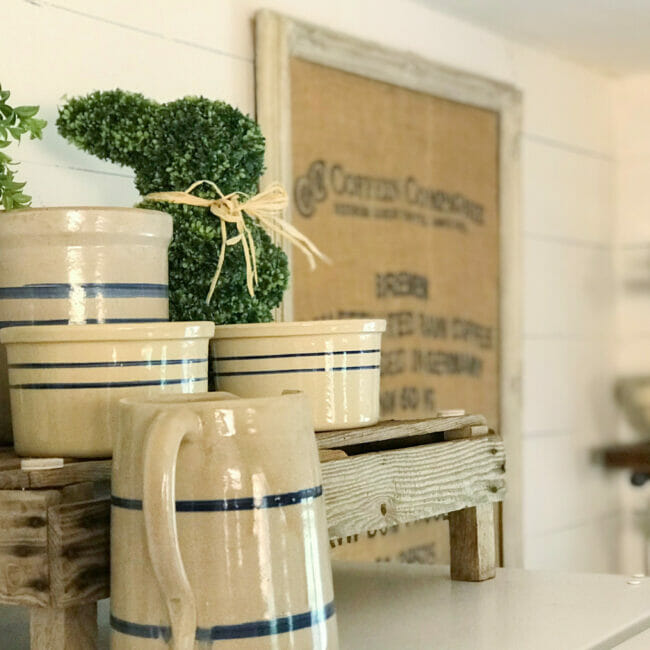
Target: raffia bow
{"points": [[266, 207]]}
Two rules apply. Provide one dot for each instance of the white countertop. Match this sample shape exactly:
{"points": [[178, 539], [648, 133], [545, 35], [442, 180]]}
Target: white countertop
{"points": [[413, 607]]}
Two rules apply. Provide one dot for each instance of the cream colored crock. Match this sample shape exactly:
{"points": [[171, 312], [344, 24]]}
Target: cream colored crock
{"points": [[80, 265], [66, 380], [218, 531], [335, 362]]}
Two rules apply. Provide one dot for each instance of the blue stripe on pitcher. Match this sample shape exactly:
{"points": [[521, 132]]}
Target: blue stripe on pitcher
{"points": [[246, 630], [225, 505], [296, 354], [109, 364], [90, 290], [293, 370], [107, 384]]}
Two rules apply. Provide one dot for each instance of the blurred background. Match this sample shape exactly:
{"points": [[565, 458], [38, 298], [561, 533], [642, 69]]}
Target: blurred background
{"points": [[583, 67]]}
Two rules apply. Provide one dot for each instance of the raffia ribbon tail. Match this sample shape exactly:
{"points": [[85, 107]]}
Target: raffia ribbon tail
{"points": [[266, 207]]}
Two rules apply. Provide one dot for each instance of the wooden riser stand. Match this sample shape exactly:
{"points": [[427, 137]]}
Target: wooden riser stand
{"points": [[55, 523]]}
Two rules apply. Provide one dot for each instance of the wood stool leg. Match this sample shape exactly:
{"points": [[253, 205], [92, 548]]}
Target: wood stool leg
{"points": [[73, 628], [472, 547]]}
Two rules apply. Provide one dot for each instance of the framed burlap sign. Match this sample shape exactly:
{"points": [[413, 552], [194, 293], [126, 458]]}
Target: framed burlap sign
{"points": [[406, 174]]}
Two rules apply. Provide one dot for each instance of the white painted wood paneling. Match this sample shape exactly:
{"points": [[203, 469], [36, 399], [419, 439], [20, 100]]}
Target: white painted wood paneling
{"points": [[221, 27], [592, 546], [633, 292], [633, 355], [57, 185], [564, 102], [633, 192], [632, 121], [568, 386], [569, 289], [567, 194], [563, 484], [56, 53]]}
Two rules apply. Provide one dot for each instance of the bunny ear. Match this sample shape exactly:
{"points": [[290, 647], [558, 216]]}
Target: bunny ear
{"points": [[130, 118]]}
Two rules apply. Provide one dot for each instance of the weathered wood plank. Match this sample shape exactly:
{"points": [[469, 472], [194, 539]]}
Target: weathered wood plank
{"points": [[24, 566], [8, 459], [74, 628], [371, 491], [79, 547], [12, 477], [327, 455], [472, 543], [394, 430], [72, 472]]}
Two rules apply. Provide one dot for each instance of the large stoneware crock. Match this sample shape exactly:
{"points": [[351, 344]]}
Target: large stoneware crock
{"points": [[80, 265]]}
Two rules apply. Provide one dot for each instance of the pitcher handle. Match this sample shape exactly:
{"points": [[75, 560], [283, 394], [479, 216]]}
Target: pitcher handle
{"points": [[159, 508]]}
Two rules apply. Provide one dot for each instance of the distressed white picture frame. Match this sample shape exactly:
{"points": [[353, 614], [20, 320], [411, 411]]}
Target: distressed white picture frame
{"points": [[278, 39]]}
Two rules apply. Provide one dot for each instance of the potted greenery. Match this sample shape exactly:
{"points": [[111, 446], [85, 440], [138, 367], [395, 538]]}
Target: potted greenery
{"points": [[170, 146], [14, 124]]}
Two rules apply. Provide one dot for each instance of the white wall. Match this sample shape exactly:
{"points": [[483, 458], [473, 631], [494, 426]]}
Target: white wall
{"points": [[172, 48], [632, 120]]}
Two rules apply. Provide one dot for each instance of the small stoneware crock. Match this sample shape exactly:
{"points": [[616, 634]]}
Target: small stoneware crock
{"points": [[80, 265], [218, 530], [335, 362], [66, 380]]}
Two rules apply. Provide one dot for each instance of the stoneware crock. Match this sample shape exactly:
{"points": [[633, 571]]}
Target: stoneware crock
{"points": [[80, 265], [335, 362], [218, 530], [66, 381]]}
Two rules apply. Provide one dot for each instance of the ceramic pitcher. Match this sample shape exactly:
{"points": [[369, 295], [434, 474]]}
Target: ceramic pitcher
{"points": [[218, 533]]}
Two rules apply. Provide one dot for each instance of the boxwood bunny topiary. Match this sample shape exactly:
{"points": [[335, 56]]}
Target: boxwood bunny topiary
{"points": [[170, 146]]}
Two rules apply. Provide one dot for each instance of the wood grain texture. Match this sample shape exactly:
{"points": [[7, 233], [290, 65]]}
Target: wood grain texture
{"points": [[395, 430], [79, 551], [472, 543], [24, 566], [372, 491], [72, 472], [12, 477], [74, 628], [327, 455]]}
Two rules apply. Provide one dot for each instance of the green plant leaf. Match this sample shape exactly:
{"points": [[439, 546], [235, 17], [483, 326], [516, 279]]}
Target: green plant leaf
{"points": [[25, 112]]}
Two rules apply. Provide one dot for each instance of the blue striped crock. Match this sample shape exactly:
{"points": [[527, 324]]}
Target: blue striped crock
{"points": [[66, 381], [337, 363], [80, 265]]}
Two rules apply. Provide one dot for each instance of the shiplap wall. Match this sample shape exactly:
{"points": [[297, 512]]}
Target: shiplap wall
{"points": [[632, 120], [171, 48]]}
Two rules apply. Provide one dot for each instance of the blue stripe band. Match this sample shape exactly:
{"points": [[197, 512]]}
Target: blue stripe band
{"points": [[110, 364], [297, 354], [293, 370], [225, 505], [90, 290], [248, 630], [109, 384], [86, 321]]}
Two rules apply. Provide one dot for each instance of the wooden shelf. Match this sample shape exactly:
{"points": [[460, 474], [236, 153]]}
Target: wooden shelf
{"points": [[635, 456]]}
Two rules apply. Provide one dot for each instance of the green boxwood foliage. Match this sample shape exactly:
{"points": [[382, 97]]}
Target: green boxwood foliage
{"points": [[169, 146]]}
